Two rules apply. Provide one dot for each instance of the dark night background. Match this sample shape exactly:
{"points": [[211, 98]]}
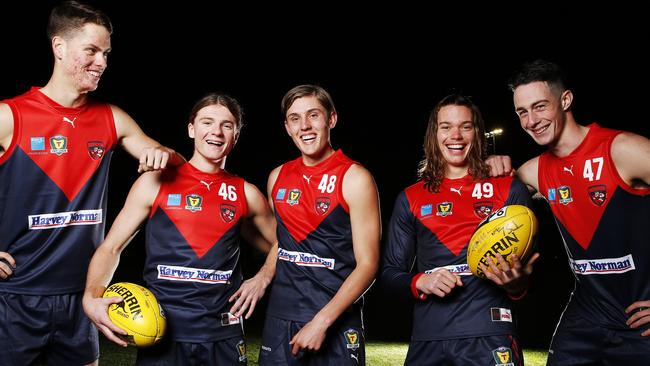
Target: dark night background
{"points": [[385, 66]]}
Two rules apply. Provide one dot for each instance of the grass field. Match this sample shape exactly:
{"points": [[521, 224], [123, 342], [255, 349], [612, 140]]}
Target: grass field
{"points": [[377, 354]]}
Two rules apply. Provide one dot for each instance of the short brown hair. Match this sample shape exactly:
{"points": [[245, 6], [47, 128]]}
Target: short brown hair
{"points": [[72, 15]]}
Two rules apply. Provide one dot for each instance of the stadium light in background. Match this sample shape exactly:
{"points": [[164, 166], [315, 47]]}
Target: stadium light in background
{"points": [[493, 134]]}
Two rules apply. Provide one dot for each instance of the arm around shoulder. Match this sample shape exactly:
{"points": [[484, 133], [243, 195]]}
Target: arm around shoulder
{"points": [[528, 173], [631, 155]]}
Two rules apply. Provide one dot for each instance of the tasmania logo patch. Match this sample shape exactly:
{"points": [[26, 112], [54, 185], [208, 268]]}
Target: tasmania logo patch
{"points": [[241, 350], [483, 209], [565, 195], [322, 205], [294, 197], [193, 202], [444, 209], [503, 356], [598, 194], [58, 145], [96, 149], [351, 338], [228, 212]]}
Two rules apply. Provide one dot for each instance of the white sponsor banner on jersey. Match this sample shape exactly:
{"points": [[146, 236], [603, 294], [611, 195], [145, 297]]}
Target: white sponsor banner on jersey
{"points": [[63, 219], [305, 259], [459, 269], [603, 265], [188, 274]]}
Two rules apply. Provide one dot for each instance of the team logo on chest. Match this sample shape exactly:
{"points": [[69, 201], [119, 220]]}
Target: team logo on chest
{"points": [[228, 212], [444, 209], [294, 197], [58, 145], [565, 195], [598, 194], [193, 202], [322, 205], [96, 149], [483, 209]]}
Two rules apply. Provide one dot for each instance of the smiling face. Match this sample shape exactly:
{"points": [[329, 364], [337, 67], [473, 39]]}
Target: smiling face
{"points": [[455, 135], [542, 110], [215, 133], [309, 124], [82, 55]]}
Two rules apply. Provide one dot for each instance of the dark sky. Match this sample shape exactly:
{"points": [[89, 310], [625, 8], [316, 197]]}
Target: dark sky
{"points": [[385, 66]]}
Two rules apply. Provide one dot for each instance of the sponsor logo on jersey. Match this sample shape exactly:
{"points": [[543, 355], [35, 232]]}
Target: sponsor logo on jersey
{"points": [[37, 143], [322, 205], [193, 202], [603, 265], [352, 339], [58, 145], [96, 149], [503, 356], [426, 210], [241, 350], [229, 319], [174, 199], [444, 209], [552, 195], [188, 274], [305, 259], [282, 192], [483, 209], [598, 194], [228, 212], [70, 121], [459, 269], [501, 315], [565, 195], [63, 219], [294, 197]]}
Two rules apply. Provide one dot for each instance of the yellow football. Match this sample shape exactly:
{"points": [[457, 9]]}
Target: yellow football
{"points": [[511, 229], [139, 314]]}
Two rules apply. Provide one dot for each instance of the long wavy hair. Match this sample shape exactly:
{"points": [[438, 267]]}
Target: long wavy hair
{"points": [[432, 168]]}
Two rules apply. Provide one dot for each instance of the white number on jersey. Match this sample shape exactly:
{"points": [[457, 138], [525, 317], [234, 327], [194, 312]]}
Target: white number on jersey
{"points": [[588, 171], [228, 192], [485, 190], [327, 183]]}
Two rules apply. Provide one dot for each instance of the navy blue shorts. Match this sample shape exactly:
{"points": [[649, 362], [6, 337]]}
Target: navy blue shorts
{"points": [[579, 342], [343, 345], [51, 329], [478, 351], [231, 351]]}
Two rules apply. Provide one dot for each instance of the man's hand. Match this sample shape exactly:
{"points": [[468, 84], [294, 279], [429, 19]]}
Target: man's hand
{"points": [[154, 158], [97, 310], [7, 265], [512, 278], [248, 294], [640, 316], [500, 165], [440, 283]]}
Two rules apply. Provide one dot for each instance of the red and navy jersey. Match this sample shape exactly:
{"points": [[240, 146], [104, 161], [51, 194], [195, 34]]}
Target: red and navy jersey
{"points": [[192, 241], [315, 253], [53, 180], [603, 222], [432, 231]]}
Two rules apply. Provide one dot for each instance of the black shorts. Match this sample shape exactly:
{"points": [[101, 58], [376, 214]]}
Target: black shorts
{"points": [[478, 351], [343, 345], [52, 329], [579, 342], [230, 351]]}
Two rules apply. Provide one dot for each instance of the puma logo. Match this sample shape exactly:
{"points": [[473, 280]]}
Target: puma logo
{"points": [[456, 190], [570, 170], [70, 121], [356, 358], [308, 179], [207, 185]]}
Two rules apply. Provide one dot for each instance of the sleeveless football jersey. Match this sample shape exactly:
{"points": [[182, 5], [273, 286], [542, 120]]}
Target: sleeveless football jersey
{"points": [[53, 180], [315, 253], [433, 229], [603, 222], [192, 241]]}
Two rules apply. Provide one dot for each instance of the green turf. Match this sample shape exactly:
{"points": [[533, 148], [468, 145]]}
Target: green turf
{"points": [[377, 354]]}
